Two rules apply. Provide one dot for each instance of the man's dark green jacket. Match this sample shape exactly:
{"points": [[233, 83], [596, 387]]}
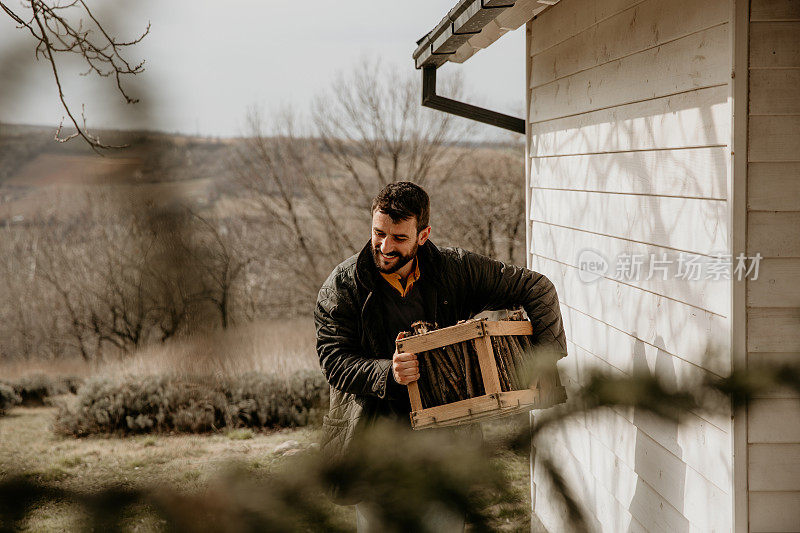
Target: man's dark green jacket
{"points": [[355, 360]]}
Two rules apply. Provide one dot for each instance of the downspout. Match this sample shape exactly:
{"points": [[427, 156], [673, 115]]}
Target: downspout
{"points": [[440, 103]]}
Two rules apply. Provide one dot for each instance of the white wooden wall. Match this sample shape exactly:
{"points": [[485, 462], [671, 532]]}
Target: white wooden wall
{"points": [[773, 229], [629, 127]]}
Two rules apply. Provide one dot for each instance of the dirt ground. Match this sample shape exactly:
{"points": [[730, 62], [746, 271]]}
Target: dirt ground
{"points": [[184, 462]]}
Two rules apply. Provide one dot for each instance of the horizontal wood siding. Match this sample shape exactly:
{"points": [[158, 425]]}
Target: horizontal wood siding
{"points": [[567, 244], [693, 225], [774, 511], [629, 123], [773, 230], [773, 186], [775, 467], [700, 172]]}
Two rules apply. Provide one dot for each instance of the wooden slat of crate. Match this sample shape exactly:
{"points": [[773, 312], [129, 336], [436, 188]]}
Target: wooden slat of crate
{"points": [[494, 403], [414, 396], [472, 329], [471, 419], [475, 405], [518, 398], [475, 409], [509, 327], [491, 378]]}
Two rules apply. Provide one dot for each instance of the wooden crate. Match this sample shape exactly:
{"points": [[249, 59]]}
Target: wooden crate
{"points": [[495, 402]]}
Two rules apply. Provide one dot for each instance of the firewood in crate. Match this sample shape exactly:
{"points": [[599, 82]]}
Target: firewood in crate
{"points": [[477, 374], [428, 386], [473, 381], [515, 316], [449, 373], [506, 367], [428, 383], [444, 380], [425, 385], [519, 359], [469, 384], [421, 326], [472, 370], [445, 374], [477, 370]]}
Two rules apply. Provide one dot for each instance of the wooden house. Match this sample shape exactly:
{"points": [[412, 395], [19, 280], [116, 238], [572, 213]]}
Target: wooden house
{"points": [[669, 131]]}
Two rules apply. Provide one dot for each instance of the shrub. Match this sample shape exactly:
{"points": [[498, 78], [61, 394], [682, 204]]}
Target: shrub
{"points": [[158, 404], [33, 390], [8, 398], [36, 389], [71, 384]]}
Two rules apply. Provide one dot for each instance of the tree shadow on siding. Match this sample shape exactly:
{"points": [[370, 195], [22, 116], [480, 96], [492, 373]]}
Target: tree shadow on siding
{"points": [[662, 462]]}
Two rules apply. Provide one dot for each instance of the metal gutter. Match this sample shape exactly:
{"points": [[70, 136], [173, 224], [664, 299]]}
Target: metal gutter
{"points": [[470, 26], [432, 100]]}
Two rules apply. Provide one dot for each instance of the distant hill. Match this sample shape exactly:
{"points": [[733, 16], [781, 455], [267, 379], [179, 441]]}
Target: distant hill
{"points": [[35, 170], [163, 157], [40, 177]]}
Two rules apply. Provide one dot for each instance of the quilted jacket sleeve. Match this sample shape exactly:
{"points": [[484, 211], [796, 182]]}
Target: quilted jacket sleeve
{"points": [[494, 285], [340, 353]]}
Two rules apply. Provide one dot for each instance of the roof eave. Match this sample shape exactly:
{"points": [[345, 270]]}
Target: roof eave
{"points": [[472, 25]]}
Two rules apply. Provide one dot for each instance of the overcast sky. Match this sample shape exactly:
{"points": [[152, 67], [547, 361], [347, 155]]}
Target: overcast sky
{"points": [[208, 61]]}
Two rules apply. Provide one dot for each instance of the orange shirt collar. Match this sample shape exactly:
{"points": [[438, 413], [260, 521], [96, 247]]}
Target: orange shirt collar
{"points": [[394, 279]]}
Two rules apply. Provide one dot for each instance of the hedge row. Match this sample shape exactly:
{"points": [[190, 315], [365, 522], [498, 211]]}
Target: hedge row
{"points": [[37, 389], [8, 398], [160, 404]]}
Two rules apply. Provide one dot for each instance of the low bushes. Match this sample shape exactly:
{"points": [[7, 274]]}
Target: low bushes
{"points": [[37, 389], [8, 398], [168, 403]]}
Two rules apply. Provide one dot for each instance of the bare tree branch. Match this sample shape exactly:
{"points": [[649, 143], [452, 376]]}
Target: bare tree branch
{"points": [[52, 29], [375, 131]]}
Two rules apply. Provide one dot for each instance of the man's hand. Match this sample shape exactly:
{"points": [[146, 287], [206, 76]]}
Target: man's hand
{"points": [[405, 367]]}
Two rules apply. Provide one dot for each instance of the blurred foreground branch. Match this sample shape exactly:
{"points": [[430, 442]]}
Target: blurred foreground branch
{"points": [[72, 28], [396, 473]]}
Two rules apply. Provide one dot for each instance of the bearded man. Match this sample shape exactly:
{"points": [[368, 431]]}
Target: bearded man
{"points": [[398, 278]]}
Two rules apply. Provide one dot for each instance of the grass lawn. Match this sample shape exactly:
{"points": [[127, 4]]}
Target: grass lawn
{"points": [[186, 463]]}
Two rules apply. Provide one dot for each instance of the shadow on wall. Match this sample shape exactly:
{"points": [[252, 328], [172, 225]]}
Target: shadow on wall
{"points": [[638, 179], [652, 460]]}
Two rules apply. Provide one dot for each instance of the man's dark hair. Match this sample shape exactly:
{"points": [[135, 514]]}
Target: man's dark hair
{"points": [[402, 200]]}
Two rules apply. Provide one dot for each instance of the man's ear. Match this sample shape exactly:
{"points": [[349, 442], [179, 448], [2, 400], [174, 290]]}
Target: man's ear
{"points": [[423, 236]]}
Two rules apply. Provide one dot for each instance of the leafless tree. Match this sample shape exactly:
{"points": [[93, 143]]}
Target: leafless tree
{"points": [[373, 128], [60, 269], [20, 316], [313, 186], [218, 253], [114, 281], [71, 28], [484, 210], [279, 171]]}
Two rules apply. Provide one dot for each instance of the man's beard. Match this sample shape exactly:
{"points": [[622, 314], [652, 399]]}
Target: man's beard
{"points": [[401, 262]]}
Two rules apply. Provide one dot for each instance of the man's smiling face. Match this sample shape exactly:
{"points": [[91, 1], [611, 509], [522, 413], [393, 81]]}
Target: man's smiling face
{"points": [[395, 244]]}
